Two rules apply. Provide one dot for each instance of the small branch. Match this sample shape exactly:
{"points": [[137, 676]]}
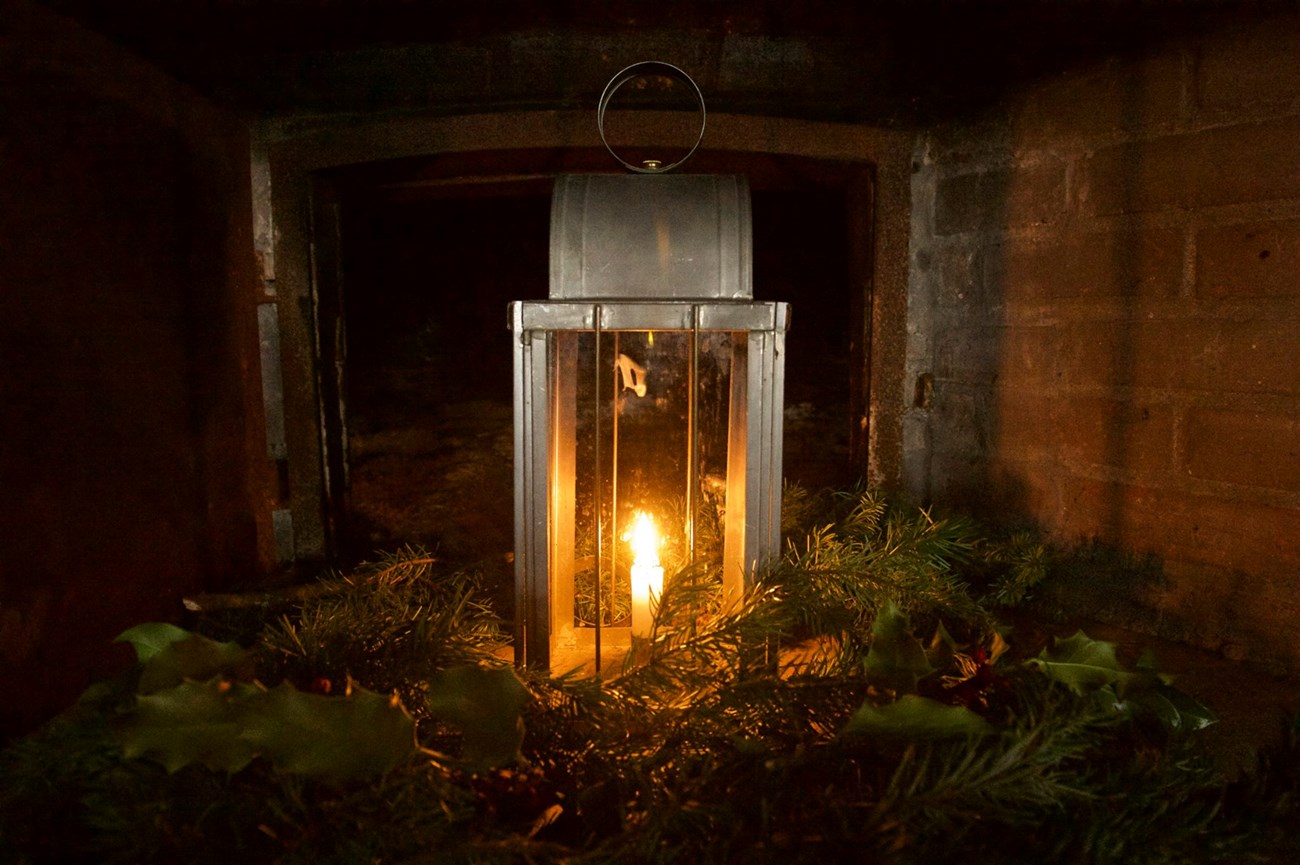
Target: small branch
{"points": [[208, 602]]}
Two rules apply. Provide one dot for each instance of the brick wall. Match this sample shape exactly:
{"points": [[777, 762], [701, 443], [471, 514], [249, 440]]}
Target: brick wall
{"points": [[1105, 311]]}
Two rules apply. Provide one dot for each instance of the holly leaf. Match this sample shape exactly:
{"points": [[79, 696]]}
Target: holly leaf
{"points": [[192, 657], [1175, 709], [357, 736], [916, 717], [224, 725], [487, 704], [896, 659], [194, 722], [151, 638], [1085, 665], [1089, 666]]}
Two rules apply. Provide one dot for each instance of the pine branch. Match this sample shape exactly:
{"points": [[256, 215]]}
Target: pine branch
{"points": [[398, 567]]}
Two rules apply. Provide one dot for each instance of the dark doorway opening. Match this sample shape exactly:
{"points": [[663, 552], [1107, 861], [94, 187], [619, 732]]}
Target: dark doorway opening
{"points": [[801, 256], [426, 269], [428, 372]]}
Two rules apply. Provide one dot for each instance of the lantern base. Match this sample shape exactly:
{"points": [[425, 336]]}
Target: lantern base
{"points": [[575, 651]]}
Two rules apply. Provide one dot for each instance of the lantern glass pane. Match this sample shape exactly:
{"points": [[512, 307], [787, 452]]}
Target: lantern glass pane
{"points": [[642, 422]]}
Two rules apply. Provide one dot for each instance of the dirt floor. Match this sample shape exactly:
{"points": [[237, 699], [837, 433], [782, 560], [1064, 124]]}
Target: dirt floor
{"points": [[431, 467]]}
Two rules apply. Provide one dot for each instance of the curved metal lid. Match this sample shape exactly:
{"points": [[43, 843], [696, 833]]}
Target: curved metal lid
{"points": [[651, 236]]}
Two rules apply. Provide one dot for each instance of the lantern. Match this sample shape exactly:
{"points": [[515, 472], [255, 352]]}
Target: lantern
{"points": [[648, 408]]}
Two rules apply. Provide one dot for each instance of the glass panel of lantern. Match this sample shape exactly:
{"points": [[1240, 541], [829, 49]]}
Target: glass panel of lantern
{"points": [[647, 413]]}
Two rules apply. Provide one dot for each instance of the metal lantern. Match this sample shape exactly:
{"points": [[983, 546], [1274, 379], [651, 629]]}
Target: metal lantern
{"points": [[648, 408]]}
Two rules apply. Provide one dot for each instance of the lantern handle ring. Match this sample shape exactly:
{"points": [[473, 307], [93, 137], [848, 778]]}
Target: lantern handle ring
{"points": [[637, 70]]}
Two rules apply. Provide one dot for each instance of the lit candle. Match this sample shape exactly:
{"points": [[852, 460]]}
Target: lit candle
{"points": [[647, 575]]}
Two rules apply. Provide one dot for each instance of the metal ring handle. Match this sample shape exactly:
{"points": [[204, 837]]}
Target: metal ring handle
{"points": [[636, 70]]}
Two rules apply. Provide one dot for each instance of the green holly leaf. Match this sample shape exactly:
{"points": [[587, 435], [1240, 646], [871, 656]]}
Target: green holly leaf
{"points": [[1089, 666], [896, 659], [224, 725], [151, 638], [916, 717], [1085, 665], [357, 736], [192, 657], [194, 722], [487, 704], [1175, 709]]}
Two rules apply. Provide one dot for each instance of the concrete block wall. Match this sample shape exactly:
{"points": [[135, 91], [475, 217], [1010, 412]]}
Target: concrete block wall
{"points": [[1104, 320]]}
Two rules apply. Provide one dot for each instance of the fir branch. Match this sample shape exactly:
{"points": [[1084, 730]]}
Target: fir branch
{"points": [[391, 630]]}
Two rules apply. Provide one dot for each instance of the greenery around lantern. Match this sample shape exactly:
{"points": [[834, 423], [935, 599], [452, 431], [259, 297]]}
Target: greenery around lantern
{"points": [[864, 703]]}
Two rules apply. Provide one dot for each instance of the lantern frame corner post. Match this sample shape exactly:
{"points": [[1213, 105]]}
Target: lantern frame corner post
{"points": [[766, 425], [532, 636], [754, 472]]}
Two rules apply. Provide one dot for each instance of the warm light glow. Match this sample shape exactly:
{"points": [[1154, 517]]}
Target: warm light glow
{"points": [[647, 575], [645, 541]]}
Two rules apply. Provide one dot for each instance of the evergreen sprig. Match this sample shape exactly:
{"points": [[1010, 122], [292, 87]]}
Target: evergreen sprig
{"points": [[398, 621]]}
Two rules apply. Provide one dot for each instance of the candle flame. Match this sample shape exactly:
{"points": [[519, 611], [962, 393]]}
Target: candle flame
{"points": [[645, 541]]}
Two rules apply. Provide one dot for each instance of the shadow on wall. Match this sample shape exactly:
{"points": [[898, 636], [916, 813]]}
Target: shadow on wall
{"points": [[1037, 308], [1097, 581]]}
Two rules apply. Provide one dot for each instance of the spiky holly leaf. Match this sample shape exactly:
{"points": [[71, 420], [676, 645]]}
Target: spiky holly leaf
{"points": [[1177, 711], [1090, 666], [1085, 665], [151, 638], [916, 717], [359, 735], [896, 659], [170, 655], [194, 722], [487, 704]]}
